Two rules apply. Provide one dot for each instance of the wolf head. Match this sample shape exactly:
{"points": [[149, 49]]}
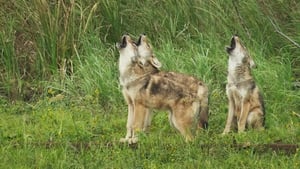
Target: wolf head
{"points": [[145, 52], [236, 50], [127, 48], [128, 53]]}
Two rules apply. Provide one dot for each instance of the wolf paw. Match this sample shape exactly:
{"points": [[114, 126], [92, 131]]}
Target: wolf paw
{"points": [[129, 140], [132, 140], [241, 131], [123, 140], [225, 132]]}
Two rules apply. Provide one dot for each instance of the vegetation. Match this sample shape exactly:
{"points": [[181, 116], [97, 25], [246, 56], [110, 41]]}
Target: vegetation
{"points": [[60, 100]]}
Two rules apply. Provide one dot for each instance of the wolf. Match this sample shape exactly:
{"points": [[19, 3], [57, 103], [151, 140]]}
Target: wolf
{"points": [[146, 53], [246, 107], [144, 89]]}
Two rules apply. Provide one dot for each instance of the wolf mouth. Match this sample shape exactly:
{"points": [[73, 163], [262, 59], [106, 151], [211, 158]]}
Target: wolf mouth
{"points": [[123, 44], [138, 43], [232, 45]]}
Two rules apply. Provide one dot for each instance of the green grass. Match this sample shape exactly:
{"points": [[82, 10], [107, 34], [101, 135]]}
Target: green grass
{"points": [[60, 99], [69, 134]]}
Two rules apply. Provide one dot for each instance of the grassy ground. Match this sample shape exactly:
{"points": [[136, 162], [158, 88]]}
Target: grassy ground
{"points": [[63, 134], [60, 100]]}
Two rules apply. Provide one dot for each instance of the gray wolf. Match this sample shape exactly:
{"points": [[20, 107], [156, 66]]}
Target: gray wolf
{"points": [[246, 107], [144, 89], [146, 53]]}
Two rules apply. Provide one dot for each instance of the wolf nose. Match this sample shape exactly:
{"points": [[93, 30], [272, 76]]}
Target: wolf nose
{"points": [[144, 34]]}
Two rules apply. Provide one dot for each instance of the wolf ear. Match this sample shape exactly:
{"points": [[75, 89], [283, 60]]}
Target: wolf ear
{"points": [[118, 45], [252, 64], [155, 62]]}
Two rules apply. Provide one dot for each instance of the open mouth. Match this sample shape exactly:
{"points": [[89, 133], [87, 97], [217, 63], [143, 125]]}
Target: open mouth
{"points": [[123, 43], [140, 39], [232, 44]]}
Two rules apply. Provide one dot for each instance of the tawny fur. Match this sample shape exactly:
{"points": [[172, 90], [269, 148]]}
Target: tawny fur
{"points": [[145, 88], [246, 107], [195, 86]]}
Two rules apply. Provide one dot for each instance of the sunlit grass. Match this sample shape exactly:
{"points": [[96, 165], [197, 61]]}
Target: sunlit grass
{"points": [[84, 135]]}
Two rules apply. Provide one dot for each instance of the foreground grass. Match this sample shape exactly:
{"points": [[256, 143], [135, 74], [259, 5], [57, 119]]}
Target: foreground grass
{"points": [[64, 134]]}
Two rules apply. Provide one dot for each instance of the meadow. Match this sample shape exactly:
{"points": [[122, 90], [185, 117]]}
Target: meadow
{"points": [[60, 99]]}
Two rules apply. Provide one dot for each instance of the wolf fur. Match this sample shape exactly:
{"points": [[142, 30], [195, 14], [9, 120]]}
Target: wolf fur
{"points": [[144, 88], [196, 86], [246, 107]]}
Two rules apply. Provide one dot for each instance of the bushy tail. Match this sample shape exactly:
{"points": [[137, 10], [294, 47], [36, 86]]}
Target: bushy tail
{"points": [[203, 116], [203, 111]]}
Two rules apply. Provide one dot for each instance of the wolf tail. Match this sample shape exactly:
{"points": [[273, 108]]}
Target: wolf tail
{"points": [[203, 116], [204, 109]]}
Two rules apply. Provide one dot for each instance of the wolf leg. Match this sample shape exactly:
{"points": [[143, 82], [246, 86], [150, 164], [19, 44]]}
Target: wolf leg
{"points": [[184, 122], [255, 119], [147, 120], [139, 114], [244, 115], [129, 124], [171, 119], [230, 115]]}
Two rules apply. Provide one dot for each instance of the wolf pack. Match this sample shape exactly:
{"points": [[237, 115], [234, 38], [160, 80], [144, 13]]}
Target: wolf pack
{"points": [[146, 88]]}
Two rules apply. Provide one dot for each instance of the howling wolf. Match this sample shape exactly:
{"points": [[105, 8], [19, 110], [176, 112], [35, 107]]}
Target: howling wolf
{"points": [[246, 107], [145, 88]]}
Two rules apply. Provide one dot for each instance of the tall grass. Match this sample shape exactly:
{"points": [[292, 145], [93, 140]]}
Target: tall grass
{"points": [[58, 30], [9, 65]]}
